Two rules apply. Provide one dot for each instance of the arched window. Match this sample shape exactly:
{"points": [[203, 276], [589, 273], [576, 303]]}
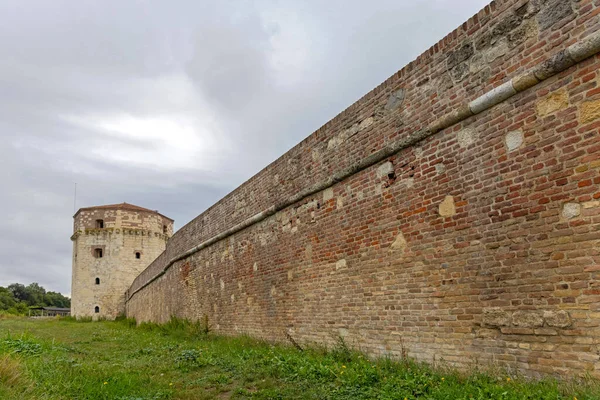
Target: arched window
{"points": [[96, 309], [97, 281]]}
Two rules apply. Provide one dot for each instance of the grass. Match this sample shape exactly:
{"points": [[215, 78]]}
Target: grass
{"points": [[66, 359]]}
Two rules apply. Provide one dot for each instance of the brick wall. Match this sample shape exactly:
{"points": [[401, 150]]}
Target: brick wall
{"points": [[478, 244]]}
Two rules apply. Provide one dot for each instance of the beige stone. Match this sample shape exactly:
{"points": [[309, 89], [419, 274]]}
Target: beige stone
{"points": [[400, 243], [366, 123], [527, 319], [557, 319], [384, 169], [571, 210], [466, 137], [589, 111], [513, 140], [552, 103], [447, 207], [495, 317]]}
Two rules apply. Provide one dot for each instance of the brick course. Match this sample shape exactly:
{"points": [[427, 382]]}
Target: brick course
{"points": [[478, 244]]}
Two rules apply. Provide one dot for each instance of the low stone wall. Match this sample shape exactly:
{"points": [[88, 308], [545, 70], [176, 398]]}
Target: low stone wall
{"points": [[452, 213]]}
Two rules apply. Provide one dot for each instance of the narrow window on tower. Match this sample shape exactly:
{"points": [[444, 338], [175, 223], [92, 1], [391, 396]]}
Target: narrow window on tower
{"points": [[97, 281], [138, 255], [165, 229], [100, 223], [98, 253], [96, 309]]}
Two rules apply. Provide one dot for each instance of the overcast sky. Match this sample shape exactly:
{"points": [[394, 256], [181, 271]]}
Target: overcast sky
{"points": [[171, 105]]}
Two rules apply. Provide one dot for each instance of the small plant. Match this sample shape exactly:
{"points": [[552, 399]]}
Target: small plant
{"points": [[23, 346], [292, 341], [205, 325], [145, 351], [188, 359], [341, 352], [220, 379], [188, 356]]}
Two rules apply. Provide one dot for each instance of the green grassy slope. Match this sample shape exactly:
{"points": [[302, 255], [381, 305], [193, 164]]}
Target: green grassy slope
{"points": [[63, 359]]}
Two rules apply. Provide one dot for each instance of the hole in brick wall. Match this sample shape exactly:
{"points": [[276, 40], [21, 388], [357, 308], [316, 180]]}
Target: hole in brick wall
{"points": [[97, 281], [96, 309], [98, 253], [422, 82], [99, 223], [318, 205], [392, 176], [138, 255]]}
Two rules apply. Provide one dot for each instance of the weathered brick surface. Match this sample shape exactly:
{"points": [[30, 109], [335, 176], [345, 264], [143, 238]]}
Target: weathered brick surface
{"points": [[481, 243]]}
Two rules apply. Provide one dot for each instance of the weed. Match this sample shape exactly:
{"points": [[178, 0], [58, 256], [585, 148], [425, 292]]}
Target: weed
{"points": [[293, 342], [205, 325], [23, 345], [11, 371], [188, 358], [341, 351]]}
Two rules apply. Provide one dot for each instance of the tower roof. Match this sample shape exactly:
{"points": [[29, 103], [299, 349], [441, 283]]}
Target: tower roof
{"points": [[121, 206]]}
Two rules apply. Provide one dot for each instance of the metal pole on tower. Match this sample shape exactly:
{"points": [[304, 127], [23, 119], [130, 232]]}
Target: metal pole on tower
{"points": [[75, 199]]}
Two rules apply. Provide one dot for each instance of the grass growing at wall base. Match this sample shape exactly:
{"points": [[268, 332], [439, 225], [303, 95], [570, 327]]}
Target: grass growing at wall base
{"points": [[62, 359]]}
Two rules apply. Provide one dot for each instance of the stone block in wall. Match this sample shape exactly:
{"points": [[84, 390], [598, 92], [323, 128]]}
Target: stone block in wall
{"points": [[552, 103], [527, 319], [590, 111], [553, 11], [447, 207], [496, 317], [557, 319], [513, 140]]}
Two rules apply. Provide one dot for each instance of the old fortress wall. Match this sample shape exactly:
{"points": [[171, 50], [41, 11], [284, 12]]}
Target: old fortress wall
{"points": [[451, 213]]}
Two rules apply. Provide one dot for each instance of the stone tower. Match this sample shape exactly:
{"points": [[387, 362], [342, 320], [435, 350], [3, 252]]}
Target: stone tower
{"points": [[112, 244]]}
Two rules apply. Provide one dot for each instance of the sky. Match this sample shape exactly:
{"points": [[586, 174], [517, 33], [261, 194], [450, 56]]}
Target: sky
{"points": [[172, 105]]}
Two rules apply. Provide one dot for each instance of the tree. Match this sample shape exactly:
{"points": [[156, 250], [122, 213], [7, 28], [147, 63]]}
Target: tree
{"points": [[35, 294], [19, 291], [7, 300], [55, 299], [17, 298]]}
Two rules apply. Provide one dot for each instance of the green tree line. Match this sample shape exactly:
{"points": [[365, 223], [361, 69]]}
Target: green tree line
{"points": [[17, 298]]}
